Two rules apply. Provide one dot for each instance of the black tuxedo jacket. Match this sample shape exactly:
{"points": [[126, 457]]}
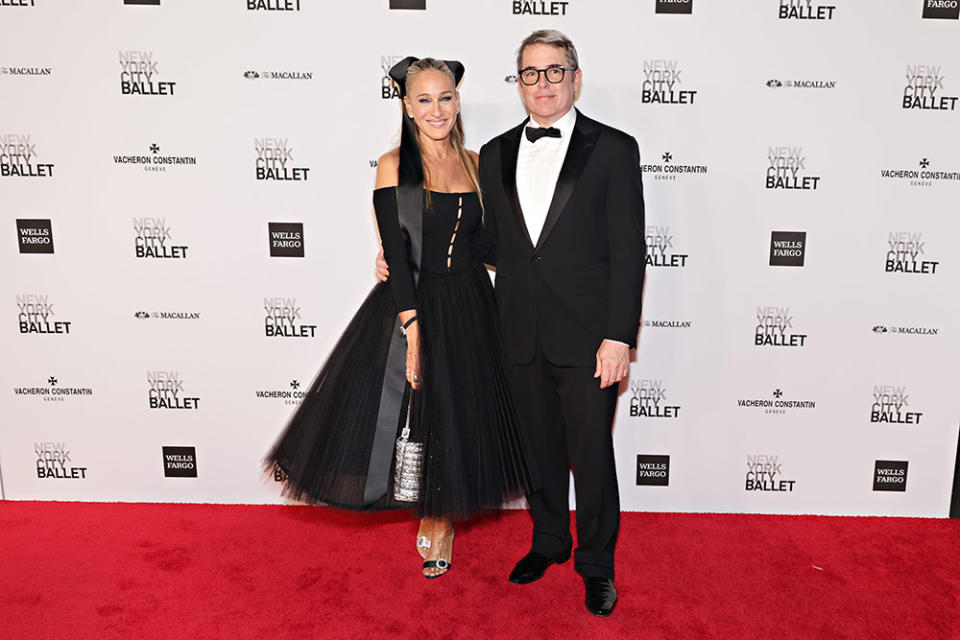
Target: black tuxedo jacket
{"points": [[581, 281]]}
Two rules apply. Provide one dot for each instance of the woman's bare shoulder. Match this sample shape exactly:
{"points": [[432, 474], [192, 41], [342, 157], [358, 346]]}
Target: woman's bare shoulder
{"points": [[474, 156], [388, 168]]}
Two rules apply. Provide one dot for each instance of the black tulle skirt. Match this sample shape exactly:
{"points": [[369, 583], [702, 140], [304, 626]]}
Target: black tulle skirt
{"points": [[476, 455]]}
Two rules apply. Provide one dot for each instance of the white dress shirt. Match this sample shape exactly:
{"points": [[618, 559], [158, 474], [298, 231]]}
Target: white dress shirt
{"points": [[538, 167]]}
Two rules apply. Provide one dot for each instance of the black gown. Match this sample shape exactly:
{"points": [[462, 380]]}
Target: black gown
{"points": [[475, 451]]}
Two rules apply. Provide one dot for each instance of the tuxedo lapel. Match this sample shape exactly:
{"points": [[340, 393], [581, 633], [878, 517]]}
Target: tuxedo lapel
{"points": [[582, 141], [509, 147]]}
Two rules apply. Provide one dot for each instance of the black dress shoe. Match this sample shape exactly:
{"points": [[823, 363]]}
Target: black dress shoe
{"points": [[601, 596], [533, 565]]}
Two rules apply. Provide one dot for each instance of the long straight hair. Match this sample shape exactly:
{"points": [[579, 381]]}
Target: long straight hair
{"points": [[411, 169]]}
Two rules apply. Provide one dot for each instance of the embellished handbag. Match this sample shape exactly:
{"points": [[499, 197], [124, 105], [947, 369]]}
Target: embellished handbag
{"points": [[408, 461]]}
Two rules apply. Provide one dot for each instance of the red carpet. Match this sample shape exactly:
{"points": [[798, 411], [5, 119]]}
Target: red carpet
{"points": [[143, 571]]}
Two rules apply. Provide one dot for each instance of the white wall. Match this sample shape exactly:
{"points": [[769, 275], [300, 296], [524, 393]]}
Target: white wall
{"points": [[335, 123]]}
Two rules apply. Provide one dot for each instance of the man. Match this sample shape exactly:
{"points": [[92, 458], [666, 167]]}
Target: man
{"points": [[563, 195]]}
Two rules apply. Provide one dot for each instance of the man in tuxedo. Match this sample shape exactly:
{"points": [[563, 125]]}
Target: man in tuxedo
{"points": [[565, 197]]}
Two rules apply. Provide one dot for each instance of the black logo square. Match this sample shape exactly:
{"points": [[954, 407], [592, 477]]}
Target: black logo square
{"points": [[286, 239], [890, 475], [154, 3], [653, 470], [787, 248], [408, 4], [35, 236], [944, 9], [674, 6], [180, 462]]}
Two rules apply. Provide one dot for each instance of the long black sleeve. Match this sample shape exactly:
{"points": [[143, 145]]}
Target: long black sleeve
{"points": [[485, 240], [395, 248], [483, 245], [627, 246]]}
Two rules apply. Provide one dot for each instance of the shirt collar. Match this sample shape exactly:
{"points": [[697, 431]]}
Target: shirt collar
{"points": [[565, 124]]}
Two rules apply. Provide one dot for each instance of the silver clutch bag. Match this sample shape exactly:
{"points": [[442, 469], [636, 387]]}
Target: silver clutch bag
{"points": [[408, 461]]}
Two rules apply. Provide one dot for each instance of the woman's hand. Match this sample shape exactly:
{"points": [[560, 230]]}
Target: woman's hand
{"points": [[383, 270], [414, 376]]}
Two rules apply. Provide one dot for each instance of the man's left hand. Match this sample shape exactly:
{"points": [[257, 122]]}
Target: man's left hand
{"points": [[613, 363]]}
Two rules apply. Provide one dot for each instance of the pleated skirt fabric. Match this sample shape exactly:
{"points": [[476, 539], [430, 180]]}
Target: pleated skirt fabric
{"points": [[476, 454]]}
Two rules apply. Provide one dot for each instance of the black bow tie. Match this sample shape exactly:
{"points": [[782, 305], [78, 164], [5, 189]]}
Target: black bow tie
{"points": [[535, 133]]}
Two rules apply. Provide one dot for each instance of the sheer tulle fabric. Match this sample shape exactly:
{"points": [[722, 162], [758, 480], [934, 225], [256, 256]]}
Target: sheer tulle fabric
{"points": [[475, 452]]}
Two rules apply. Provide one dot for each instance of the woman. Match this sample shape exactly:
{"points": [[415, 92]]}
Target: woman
{"points": [[423, 350]]}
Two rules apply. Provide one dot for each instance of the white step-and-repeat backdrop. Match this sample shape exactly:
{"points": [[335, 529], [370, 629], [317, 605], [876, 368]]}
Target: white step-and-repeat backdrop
{"points": [[186, 228]]}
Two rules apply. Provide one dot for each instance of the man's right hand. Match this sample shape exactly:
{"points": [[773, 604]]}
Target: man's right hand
{"points": [[383, 271]]}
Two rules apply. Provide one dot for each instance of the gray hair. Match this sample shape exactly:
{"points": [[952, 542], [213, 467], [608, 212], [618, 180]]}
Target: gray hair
{"points": [[553, 38]]}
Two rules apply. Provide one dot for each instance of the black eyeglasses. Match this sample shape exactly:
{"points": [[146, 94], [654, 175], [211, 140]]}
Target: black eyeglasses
{"points": [[553, 73]]}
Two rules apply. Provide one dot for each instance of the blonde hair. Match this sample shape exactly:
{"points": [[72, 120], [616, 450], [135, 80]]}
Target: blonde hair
{"points": [[456, 134]]}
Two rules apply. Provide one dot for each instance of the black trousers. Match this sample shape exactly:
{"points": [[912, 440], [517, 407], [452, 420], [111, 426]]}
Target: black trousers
{"points": [[570, 419]]}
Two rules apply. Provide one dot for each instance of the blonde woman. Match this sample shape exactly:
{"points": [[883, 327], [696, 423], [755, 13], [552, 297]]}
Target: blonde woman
{"points": [[423, 351]]}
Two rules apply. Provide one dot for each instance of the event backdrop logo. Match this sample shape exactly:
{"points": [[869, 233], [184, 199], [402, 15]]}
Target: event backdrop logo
{"points": [[155, 161], [905, 253], [924, 176], [167, 315], [649, 400], [26, 71], [905, 330], [674, 6], [293, 395], [35, 236], [275, 161], [775, 328], [668, 324], [283, 319], [653, 470], [179, 462], [167, 392], [891, 404], [787, 248], [273, 5], [140, 75], [154, 240], [539, 7], [765, 473], [19, 158], [54, 461], [36, 315], [890, 475], [788, 169], [778, 405], [805, 10], [152, 3], [942, 9], [53, 392], [408, 4], [661, 83], [775, 83], [660, 249], [286, 239], [388, 88], [668, 170], [278, 75], [924, 89]]}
